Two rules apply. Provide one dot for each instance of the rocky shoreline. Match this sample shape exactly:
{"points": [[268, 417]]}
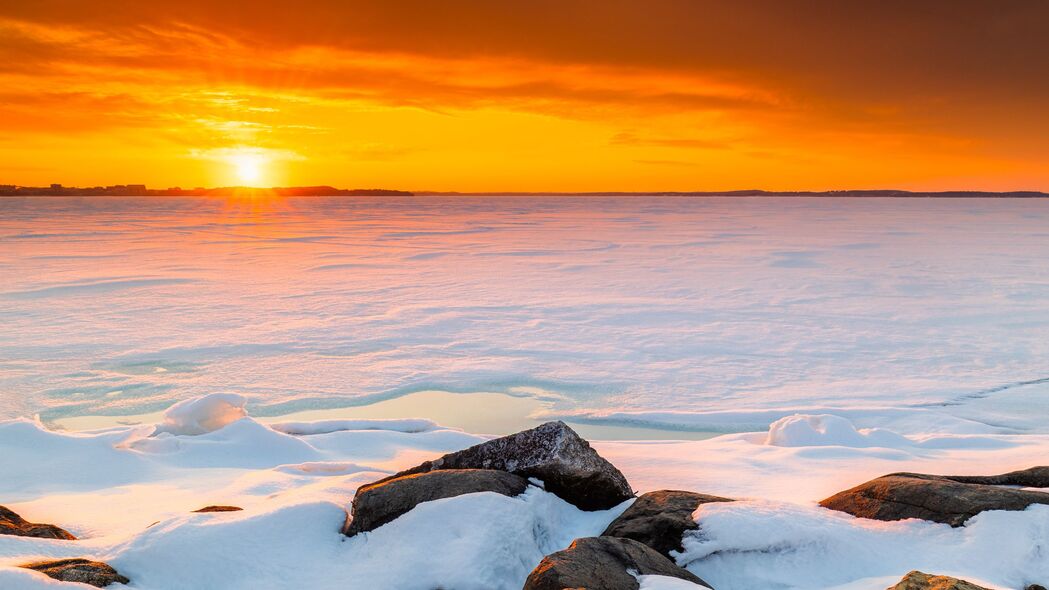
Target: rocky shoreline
{"points": [[644, 540]]}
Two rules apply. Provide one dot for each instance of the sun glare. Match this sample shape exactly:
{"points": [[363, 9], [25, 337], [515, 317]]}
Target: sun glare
{"points": [[248, 168]]}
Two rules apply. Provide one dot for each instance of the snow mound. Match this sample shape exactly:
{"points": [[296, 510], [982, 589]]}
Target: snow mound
{"points": [[201, 415], [808, 430], [667, 583], [745, 545]]}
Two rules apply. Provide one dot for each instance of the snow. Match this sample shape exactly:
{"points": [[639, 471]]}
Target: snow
{"points": [[204, 414], [666, 583], [776, 545], [128, 493], [803, 430], [295, 491]]}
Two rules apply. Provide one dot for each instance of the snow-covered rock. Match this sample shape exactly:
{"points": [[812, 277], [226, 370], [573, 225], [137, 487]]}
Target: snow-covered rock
{"points": [[609, 563], [553, 453], [929, 497], [659, 519], [13, 524], [921, 581], [378, 503], [83, 571]]}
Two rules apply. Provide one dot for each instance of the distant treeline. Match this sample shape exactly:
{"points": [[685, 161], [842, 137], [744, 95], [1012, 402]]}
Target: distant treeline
{"points": [[140, 190]]}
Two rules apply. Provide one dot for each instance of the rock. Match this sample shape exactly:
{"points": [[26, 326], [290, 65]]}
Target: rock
{"points": [[1035, 477], [219, 509], [659, 519], [920, 581], [12, 524], [603, 563], [94, 573], [378, 503], [929, 497], [551, 452], [1035, 587]]}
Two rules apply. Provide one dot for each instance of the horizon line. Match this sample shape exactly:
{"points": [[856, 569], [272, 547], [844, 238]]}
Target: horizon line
{"points": [[142, 190]]}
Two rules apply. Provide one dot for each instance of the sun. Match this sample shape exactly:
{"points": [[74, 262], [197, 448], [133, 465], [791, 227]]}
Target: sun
{"points": [[249, 168]]}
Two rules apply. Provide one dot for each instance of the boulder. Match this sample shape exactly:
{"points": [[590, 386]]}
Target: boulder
{"points": [[378, 503], [93, 573], [551, 452], [603, 563], [929, 497], [1034, 477], [219, 509], [659, 519], [920, 581], [13, 524], [1035, 587]]}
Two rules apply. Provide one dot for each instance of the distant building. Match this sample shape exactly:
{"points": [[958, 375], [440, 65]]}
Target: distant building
{"points": [[137, 188], [56, 187]]}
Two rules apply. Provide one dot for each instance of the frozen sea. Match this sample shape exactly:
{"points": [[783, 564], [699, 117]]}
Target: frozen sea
{"points": [[688, 315]]}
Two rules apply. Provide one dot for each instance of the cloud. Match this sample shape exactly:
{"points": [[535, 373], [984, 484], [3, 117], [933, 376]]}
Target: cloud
{"points": [[758, 85], [631, 139]]}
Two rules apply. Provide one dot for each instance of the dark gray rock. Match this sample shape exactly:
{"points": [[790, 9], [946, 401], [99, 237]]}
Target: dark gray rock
{"points": [[551, 452], [603, 563], [921, 581], [378, 503], [219, 509], [93, 573], [659, 519], [13, 524], [929, 497], [1035, 587]]}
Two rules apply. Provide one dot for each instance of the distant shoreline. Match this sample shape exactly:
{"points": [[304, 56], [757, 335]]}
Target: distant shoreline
{"points": [[328, 191]]}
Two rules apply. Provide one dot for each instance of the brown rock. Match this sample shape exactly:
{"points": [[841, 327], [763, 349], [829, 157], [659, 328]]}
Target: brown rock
{"points": [[929, 497], [12, 524], [1035, 477], [94, 573], [378, 503], [659, 519], [920, 581], [551, 452], [219, 509], [603, 563]]}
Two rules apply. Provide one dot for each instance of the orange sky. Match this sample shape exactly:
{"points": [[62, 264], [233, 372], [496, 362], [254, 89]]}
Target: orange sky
{"points": [[539, 95]]}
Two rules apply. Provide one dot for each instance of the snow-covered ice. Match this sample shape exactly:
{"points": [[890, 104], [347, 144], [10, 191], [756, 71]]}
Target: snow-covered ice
{"points": [[718, 314]]}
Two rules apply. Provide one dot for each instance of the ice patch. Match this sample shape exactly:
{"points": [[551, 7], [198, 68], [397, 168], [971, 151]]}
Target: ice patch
{"points": [[903, 420], [323, 468], [326, 426]]}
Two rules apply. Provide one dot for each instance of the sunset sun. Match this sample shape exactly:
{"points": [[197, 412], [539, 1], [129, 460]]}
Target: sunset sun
{"points": [[248, 168]]}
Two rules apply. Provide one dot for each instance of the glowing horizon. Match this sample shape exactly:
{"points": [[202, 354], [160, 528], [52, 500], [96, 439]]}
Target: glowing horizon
{"points": [[539, 97]]}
